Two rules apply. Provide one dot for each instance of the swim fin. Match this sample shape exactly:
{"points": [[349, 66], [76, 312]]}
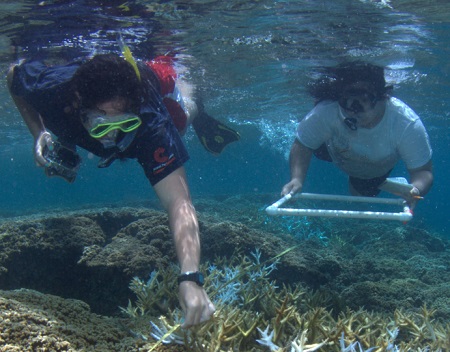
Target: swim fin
{"points": [[213, 135]]}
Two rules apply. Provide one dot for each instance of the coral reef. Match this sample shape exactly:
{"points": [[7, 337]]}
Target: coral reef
{"points": [[360, 278], [32, 321], [87, 255], [296, 315]]}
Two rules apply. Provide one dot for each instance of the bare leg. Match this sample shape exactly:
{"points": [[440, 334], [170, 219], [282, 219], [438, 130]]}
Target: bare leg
{"points": [[213, 135], [187, 102]]}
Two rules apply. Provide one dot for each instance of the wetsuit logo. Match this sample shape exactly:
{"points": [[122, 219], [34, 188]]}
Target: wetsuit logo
{"points": [[162, 159], [160, 156]]}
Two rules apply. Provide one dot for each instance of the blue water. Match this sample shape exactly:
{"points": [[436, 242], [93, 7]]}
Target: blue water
{"points": [[250, 60]]}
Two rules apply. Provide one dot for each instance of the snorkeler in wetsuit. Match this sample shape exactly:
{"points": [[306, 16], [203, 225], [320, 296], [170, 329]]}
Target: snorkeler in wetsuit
{"points": [[114, 110]]}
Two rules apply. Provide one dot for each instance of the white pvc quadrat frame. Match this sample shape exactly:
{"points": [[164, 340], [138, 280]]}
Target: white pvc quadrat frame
{"points": [[405, 215]]}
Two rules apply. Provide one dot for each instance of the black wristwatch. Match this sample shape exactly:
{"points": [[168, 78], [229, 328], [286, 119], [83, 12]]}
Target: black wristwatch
{"points": [[195, 276]]}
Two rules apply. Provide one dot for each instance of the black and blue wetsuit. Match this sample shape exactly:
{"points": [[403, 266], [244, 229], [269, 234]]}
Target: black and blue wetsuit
{"points": [[156, 145]]}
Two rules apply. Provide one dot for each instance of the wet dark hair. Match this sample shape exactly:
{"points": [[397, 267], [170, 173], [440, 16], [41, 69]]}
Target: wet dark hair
{"points": [[105, 77], [333, 80]]}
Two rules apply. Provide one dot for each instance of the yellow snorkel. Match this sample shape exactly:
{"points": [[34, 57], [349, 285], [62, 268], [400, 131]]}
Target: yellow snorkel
{"points": [[128, 55]]}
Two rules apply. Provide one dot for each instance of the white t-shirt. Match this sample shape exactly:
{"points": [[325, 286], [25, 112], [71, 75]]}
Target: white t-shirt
{"points": [[367, 153]]}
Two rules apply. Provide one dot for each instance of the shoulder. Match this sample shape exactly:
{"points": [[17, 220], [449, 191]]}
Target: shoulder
{"points": [[404, 123], [151, 89], [400, 111], [37, 75], [148, 75], [326, 105], [39, 67], [325, 110], [401, 117], [319, 124]]}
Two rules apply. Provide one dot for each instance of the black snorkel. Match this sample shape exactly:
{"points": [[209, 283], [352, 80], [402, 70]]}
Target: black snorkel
{"points": [[351, 101]]}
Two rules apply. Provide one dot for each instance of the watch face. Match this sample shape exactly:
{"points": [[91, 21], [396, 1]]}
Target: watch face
{"points": [[201, 279]]}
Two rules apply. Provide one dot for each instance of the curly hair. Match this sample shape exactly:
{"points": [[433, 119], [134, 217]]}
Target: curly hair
{"points": [[333, 80], [105, 77]]}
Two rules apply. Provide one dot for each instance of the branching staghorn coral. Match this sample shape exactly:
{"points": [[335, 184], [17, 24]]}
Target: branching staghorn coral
{"points": [[259, 315], [153, 296], [419, 327]]}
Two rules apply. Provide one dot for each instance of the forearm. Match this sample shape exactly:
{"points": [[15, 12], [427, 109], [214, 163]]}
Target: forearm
{"points": [[173, 193], [31, 117], [422, 179], [184, 226], [299, 160]]}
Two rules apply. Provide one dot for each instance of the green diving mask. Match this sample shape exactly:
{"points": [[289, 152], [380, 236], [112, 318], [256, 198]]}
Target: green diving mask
{"points": [[102, 126]]}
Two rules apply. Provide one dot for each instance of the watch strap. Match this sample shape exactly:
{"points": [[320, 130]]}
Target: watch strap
{"points": [[194, 276]]}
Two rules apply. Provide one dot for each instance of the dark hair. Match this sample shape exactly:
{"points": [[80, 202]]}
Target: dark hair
{"points": [[105, 77], [333, 80]]}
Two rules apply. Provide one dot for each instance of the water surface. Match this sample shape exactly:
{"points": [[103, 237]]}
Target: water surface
{"points": [[250, 60]]}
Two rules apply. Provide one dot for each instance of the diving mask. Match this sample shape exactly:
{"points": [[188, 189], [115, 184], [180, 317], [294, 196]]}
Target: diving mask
{"points": [[358, 100], [99, 124]]}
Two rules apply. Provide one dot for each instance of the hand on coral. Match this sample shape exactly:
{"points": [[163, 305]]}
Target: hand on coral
{"points": [[195, 303]]}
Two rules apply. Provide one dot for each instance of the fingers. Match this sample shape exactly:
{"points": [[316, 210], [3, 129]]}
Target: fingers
{"points": [[43, 140], [195, 303], [415, 193], [192, 317], [49, 141], [286, 189], [292, 187], [208, 312], [413, 197], [197, 315]]}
